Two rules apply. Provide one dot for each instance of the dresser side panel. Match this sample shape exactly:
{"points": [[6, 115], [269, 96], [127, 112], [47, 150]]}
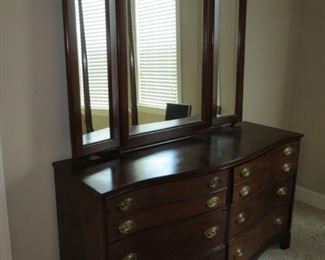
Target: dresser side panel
{"points": [[81, 221]]}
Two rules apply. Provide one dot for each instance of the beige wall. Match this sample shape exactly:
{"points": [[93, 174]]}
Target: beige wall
{"points": [[308, 99], [33, 103], [270, 51], [285, 76], [33, 121]]}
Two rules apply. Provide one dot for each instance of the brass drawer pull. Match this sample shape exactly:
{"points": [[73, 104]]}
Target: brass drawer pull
{"points": [[127, 227], [239, 252], [278, 221], [213, 202], [211, 232], [214, 182], [245, 173], [245, 191], [127, 204], [288, 151], [241, 218], [286, 168], [132, 256], [281, 192]]}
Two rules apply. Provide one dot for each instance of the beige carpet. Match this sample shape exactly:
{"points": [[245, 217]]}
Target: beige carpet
{"points": [[307, 237]]}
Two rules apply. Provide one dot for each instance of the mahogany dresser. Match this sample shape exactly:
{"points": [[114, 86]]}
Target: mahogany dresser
{"points": [[225, 194]]}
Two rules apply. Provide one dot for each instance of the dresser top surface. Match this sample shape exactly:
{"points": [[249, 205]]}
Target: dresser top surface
{"points": [[225, 147]]}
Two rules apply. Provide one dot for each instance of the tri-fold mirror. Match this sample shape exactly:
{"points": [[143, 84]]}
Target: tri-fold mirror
{"points": [[151, 70]]}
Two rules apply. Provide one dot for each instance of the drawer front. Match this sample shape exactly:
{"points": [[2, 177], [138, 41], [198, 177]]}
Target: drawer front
{"points": [[155, 216], [263, 171], [218, 254], [249, 243], [185, 238], [252, 169], [167, 193], [248, 213], [247, 191], [280, 161]]}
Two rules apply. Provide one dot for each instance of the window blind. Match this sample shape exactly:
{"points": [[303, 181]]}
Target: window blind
{"points": [[94, 17], [156, 49]]}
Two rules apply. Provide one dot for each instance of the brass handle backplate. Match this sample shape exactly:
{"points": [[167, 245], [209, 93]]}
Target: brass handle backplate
{"points": [[132, 256], [288, 151], [245, 191], [239, 252], [281, 192], [127, 204], [241, 218], [286, 168], [245, 173], [214, 182], [213, 202], [279, 221], [211, 232], [127, 227]]}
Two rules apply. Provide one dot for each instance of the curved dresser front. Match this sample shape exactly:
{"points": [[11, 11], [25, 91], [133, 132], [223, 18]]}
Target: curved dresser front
{"points": [[227, 194]]}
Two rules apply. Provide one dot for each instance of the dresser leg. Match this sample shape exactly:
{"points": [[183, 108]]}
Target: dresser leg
{"points": [[285, 243]]}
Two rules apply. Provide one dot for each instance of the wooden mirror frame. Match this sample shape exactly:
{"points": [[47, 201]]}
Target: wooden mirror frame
{"points": [[117, 15], [146, 138], [237, 117], [69, 17]]}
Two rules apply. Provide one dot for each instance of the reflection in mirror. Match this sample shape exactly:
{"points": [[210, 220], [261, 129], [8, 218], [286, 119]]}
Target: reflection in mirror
{"points": [[165, 58], [227, 15], [93, 70]]}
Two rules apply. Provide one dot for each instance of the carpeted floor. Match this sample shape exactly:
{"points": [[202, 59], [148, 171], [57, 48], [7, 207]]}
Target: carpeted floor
{"points": [[308, 236]]}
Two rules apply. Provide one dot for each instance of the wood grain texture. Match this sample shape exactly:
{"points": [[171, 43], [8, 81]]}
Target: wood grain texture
{"points": [[163, 214], [169, 185], [81, 223], [224, 148], [259, 205], [257, 236], [170, 192], [178, 241], [269, 164]]}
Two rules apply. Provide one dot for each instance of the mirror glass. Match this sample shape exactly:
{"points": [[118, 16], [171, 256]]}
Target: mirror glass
{"points": [[93, 70], [165, 63], [227, 29]]}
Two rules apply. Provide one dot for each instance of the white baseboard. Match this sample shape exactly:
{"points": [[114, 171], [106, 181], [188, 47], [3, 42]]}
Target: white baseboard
{"points": [[310, 197]]}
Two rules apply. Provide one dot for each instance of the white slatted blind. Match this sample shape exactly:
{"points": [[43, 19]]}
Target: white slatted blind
{"points": [[94, 16], [156, 49]]}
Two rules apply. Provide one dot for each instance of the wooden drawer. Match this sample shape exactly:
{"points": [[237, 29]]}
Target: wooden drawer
{"points": [[182, 240], [167, 193], [270, 164], [154, 216], [246, 191], [249, 243], [215, 254], [248, 213]]}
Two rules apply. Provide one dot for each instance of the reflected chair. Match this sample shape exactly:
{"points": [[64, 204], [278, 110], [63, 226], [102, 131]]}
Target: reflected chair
{"points": [[177, 111]]}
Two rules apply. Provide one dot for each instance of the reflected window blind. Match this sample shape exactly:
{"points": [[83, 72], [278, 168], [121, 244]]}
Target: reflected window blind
{"points": [[156, 49], [94, 16]]}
